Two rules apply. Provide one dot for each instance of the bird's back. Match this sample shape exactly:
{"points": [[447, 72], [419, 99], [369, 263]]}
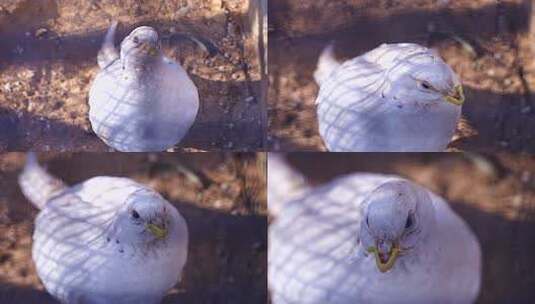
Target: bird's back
{"points": [[83, 213], [349, 108], [354, 113]]}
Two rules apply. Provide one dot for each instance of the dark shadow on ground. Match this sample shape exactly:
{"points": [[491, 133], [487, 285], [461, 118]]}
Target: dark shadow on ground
{"points": [[507, 246], [10, 293], [22, 131], [500, 121], [381, 19], [231, 125]]}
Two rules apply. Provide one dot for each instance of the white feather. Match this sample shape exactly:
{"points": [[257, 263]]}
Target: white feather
{"points": [[84, 253], [284, 183], [327, 64], [313, 246], [141, 109], [375, 102]]}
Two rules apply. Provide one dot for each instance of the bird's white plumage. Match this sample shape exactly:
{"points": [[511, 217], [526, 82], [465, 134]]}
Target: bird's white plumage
{"points": [[314, 254], [147, 108], [374, 102], [84, 253], [283, 183]]}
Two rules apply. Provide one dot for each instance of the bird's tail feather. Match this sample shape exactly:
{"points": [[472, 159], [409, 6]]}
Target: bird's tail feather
{"points": [[284, 183], [327, 63], [38, 185], [108, 53]]}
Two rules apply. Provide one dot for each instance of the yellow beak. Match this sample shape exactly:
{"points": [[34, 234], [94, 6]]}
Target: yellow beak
{"points": [[456, 97], [149, 49], [385, 266], [157, 231]]}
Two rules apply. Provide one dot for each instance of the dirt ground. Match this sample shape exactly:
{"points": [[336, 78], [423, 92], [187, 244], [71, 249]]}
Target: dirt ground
{"points": [[495, 194], [221, 196], [490, 44], [48, 53]]}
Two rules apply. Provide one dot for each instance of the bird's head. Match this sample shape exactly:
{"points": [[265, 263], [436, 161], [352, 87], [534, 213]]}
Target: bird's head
{"points": [[145, 218], [419, 74], [142, 45], [397, 216]]}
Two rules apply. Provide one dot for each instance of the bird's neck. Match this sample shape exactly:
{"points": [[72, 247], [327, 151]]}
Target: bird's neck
{"points": [[141, 66]]}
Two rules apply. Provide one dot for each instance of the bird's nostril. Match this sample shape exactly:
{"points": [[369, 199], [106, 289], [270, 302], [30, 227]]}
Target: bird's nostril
{"points": [[384, 246]]}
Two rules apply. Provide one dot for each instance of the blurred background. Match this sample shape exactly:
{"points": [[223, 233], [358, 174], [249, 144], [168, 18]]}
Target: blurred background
{"points": [[495, 194], [221, 196], [490, 45], [48, 52]]}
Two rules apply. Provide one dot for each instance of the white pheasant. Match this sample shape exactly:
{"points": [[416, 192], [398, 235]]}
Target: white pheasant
{"points": [[106, 240], [140, 100], [370, 238], [398, 97]]}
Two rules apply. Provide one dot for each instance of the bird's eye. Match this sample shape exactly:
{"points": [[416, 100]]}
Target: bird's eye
{"points": [[409, 222], [426, 85], [135, 214], [136, 40]]}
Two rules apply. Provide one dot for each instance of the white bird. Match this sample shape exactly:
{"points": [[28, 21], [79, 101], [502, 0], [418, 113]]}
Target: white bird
{"points": [[370, 238], [397, 97], [283, 183], [140, 100], [106, 240]]}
